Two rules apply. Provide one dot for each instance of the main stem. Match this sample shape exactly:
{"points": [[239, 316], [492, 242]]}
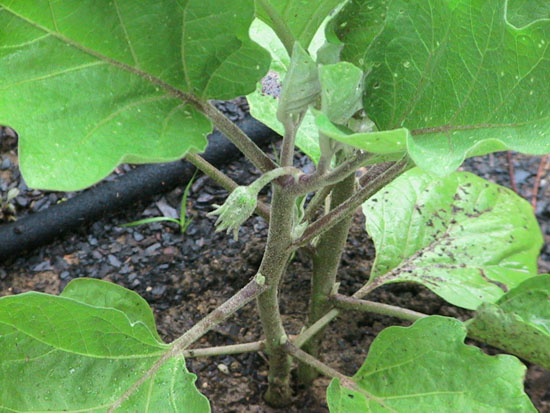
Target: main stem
{"points": [[325, 267], [276, 255]]}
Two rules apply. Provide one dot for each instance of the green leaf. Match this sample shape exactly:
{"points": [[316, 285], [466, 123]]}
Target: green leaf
{"points": [[89, 85], [428, 368], [466, 239], [461, 78], [523, 12], [60, 354], [383, 143], [303, 17], [263, 102], [99, 293], [151, 220], [519, 322], [342, 90]]}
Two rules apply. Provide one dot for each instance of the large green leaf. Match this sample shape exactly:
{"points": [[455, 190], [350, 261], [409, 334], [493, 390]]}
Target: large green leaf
{"points": [[428, 368], [105, 294], [461, 78], [263, 103], [466, 239], [89, 85], [303, 17], [60, 354], [519, 322], [523, 12]]}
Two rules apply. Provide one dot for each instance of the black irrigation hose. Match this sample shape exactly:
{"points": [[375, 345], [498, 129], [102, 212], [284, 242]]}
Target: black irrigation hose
{"points": [[141, 183]]}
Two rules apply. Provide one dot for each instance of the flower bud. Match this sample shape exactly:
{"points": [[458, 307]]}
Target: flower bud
{"points": [[239, 205]]}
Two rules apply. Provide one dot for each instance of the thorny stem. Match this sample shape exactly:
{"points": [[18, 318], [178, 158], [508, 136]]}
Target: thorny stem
{"points": [[325, 267], [223, 180], [351, 303], [335, 216], [279, 26], [237, 137], [276, 256], [249, 292]]}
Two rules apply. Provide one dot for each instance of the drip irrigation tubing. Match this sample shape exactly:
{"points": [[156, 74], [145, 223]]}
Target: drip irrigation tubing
{"points": [[109, 197]]}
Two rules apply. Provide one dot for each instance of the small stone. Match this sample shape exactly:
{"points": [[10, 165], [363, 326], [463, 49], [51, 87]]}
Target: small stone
{"points": [[114, 261], [223, 368], [6, 163], [150, 250], [137, 236], [65, 275], [43, 266]]}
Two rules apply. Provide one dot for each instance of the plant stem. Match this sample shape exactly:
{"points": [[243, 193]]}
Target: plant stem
{"points": [[225, 350], [313, 182], [223, 180], [320, 324], [326, 222], [325, 267], [267, 177], [317, 200], [272, 267], [237, 137], [351, 303], [250, 291], [316, 364], [279, 26]]}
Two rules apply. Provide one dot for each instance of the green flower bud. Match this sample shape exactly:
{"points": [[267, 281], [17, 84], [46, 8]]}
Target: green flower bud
{"points": [[239, 205]]}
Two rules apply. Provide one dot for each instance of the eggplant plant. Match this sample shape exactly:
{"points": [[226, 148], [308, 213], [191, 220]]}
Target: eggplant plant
{"points": [[406, 90]]}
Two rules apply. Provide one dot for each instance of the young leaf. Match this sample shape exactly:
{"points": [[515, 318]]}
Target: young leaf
{"points": [[428, 366], [519, 322], [461, 78], [302, 17], [263, 103], [301, 85], [466, 239], [89, 85], [62, 354], [341, 91]]}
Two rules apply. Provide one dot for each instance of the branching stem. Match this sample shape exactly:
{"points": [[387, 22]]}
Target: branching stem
{"points": [[315, 181], [350, 303], [237, 137], [248, 293], [225, 350], [345, 209]]}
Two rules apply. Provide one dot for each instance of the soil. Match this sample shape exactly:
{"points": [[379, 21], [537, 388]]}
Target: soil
{"points": [[184, 276]]}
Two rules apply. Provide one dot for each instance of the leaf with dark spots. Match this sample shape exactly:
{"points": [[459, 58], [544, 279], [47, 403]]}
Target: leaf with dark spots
{"points": [[519, 322], [468, 250]]}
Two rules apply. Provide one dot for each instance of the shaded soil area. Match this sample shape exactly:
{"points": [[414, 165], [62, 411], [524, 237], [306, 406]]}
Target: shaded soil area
{"points": [[185, 276]]}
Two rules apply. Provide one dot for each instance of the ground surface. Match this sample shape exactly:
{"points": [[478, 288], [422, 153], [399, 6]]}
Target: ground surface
{"points": [[185, 276]]}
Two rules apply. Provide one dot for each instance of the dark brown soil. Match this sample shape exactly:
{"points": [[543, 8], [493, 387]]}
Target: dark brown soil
{"points": [[185, 276]]}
